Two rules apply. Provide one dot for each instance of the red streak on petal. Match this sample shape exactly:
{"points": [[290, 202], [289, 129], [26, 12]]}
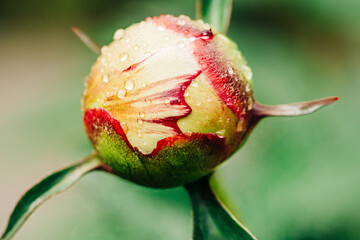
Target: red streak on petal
{"points": [[230, 88], [97, 120], [179, 92]]}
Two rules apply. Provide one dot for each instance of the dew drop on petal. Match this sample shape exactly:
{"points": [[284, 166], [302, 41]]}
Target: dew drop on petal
{"points": [[139, 121], [124, 56], [105, 77], [119, 34], [144, 84], [148, 101], [129, 85], [136, 47], [167, 101], [104, 49], [103, 61], [221, 132], [198, 103], [139, 134], [186, 93], [141, 114], [220, 119], [181, 22], [121, 93], [192, 39], [231, 70]]}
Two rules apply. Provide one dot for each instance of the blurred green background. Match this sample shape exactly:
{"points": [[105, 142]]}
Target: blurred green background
{"points": [[295, 178]]}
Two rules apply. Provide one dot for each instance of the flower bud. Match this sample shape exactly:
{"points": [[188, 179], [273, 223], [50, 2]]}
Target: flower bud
{"points": [[167, 101]]}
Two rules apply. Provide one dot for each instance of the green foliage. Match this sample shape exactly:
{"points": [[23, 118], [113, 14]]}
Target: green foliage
{"points": [[51, 185]]}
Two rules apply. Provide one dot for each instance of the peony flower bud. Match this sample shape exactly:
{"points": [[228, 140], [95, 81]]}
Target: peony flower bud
{"points": [[168, 100]]}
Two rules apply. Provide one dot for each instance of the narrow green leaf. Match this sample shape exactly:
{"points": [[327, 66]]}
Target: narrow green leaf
{"points": [[55, 183], [211, 218], [215, 12]]}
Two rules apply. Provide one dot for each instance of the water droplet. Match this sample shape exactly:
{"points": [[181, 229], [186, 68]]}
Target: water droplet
{"points": [[121, 93], [136, 47], [197, 103], [129, 85], [194, 84], [119, 34], [139, 134], [181, 44], [206, 35], [221, 132], [106, 77], [140, 121], [160, 28], [104, 49], [231, 70], [192, 39], [167, 101], [228, 119], [147, 54], [181, 22], [144, 143], [142, 114], [103, 61], [144, 84], [148, 101], [247, 89], [186, 93], [124, 56], [127, 40], [220, 119], [183, 88]]}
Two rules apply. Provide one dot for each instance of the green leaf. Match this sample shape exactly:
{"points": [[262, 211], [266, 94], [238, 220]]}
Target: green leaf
{"points": [[211, 218], [215, 12], [51, 185]]}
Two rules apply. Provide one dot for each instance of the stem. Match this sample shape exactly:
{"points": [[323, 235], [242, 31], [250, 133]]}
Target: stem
{"points": [[215, 12], [212, 220], [96, 48], [45, 189], [292, 109]]}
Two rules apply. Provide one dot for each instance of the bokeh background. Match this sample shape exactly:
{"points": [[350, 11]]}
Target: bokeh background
{"points": [[295, 178]]}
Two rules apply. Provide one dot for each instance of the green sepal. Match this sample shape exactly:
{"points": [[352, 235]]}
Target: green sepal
{"points": [[211, 219], [51, 185]]}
